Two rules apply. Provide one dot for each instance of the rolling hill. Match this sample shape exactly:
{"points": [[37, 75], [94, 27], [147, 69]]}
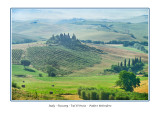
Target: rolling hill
{"points": [[96, 30]]}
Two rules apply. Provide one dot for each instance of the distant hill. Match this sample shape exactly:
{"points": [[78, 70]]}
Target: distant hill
{"points": [[19, 38], [137, 19], [86, 29], [73, 20]]}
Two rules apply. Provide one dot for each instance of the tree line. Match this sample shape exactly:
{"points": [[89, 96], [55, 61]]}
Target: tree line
{"points": [[135, 44], [92, 93], [125, 43], [133, 65]]}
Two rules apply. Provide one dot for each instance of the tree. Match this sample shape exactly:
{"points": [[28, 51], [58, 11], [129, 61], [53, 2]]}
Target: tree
{"points": [[129, 63], [125, 63], [133, 62], [116, 68], [127, 80], [25, 63], [121, 64], [136, 60], [51, 71], [68, 36], [74, 37]]}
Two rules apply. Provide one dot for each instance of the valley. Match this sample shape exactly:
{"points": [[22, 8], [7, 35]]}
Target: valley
{"points": [[80, 58]]}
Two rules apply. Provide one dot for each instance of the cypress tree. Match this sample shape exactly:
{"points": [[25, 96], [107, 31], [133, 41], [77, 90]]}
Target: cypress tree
{"points": [[129, 63], [133, 62], [125, 63], [74, 37], [61, 35], [121, 64], [68, 35]]}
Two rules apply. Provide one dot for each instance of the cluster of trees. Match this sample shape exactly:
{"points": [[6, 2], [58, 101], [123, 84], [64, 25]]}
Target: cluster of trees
{"points": [[135, 44], [115, 42], [70, 42], [94, 42], [133, 65], [63, 39], [140, 47], [125, 43], [131, 43]]}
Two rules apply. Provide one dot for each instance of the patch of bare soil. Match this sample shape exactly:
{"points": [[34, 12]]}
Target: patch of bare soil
{"points": [[71, 97]]}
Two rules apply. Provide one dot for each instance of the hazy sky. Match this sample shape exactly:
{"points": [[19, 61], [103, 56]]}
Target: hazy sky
{"points": [[28, 14]]}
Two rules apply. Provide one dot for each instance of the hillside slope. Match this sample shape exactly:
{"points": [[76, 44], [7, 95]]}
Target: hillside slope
{"points": [[65, 54], [85, 30]]}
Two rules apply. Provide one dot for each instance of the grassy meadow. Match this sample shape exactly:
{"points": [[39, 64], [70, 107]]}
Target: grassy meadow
{"points": [[65, 88], [67, 85]]}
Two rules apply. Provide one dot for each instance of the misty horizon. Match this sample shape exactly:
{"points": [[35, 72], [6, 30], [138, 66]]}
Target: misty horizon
{"points": [[60, 14]]}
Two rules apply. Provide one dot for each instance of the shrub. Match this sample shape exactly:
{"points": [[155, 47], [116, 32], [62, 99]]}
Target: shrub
{"points": [[20, 75], [25, 63], [120, 97], [79, 91], [15, 85], [89, 96], [93, 95], [40, 75], [145, 74], [110, 94], [104, 96], [83, 95], [111, 97]]}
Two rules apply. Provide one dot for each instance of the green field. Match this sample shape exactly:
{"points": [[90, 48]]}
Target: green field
{"points": [[130, 49], [62, 85], [19, 70]]}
